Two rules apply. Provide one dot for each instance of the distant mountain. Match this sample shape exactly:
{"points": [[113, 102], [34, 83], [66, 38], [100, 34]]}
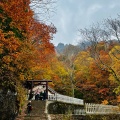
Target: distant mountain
{"points": [[59, 48], [84, 44]]}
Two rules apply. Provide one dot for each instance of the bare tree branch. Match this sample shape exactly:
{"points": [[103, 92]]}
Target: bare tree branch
{"points": [[44, 9]]}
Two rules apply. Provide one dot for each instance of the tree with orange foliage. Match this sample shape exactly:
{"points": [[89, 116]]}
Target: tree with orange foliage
{"points": [[93, 84], [24, 44], [103, 49]]}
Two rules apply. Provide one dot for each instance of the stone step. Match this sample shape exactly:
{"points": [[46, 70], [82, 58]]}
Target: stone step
{"points": [[79, 117], [37, 113], [38, 107], [35, 118], [44, 116]]}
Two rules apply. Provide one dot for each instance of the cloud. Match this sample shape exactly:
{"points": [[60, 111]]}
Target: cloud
{"points": [[78, 14], [93, 9], [112, 6], [62, 22]]}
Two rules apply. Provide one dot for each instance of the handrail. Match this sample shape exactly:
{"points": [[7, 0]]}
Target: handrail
{"points": [[91, 108], [65, 99]]}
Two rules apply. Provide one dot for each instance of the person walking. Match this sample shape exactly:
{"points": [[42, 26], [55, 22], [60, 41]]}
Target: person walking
{"points": [[44, 95], [29, 107]]}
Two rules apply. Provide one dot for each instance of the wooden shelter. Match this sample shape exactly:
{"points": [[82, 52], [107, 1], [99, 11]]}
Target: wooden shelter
{"points": [[32, 83]]}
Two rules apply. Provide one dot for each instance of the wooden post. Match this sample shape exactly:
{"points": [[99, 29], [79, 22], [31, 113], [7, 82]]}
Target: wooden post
{"points": [[46, 89], [32, 86]]}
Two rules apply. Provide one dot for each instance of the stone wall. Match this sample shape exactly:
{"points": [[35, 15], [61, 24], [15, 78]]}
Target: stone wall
{"points": [[62, 108]]}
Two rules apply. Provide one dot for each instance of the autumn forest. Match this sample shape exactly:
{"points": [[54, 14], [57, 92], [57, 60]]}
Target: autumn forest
{"points": [[86, 71]]}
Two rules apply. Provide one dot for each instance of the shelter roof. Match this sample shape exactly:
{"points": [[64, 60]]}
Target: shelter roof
{"points": [[39, 80]]}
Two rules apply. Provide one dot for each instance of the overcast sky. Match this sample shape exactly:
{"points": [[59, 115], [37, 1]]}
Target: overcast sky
{"points": [[72, 15]]}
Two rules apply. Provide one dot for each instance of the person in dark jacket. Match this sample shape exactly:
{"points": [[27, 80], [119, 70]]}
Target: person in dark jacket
{"points": [[29, 107], [44, 95]]}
